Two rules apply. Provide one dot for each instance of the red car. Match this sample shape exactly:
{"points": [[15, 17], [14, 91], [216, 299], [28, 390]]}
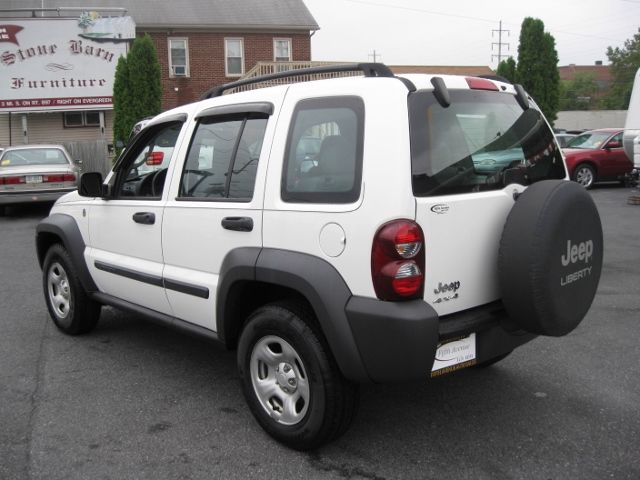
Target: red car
{"points": [[596, 156]]}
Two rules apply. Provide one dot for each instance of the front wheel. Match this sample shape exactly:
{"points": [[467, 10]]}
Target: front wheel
{"points": [[290, 379], [71, 309], [585, 175]]}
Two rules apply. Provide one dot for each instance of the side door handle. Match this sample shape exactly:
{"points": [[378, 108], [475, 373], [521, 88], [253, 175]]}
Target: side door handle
{"points": [[239, 224], [145, 218]]}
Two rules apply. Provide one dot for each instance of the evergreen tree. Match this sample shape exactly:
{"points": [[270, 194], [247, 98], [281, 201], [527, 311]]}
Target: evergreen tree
{"points": [[537, 68], [121, 102], [144, 78], [507, 69], [625, 62], [137, 90]]}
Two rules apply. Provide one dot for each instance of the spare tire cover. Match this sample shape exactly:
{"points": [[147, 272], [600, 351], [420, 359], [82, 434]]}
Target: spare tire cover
{"points": [[550, 257]]}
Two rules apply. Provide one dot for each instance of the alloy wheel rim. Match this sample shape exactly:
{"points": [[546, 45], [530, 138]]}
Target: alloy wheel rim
{"points": [[584, 177], [280, 380], [59, 290]]}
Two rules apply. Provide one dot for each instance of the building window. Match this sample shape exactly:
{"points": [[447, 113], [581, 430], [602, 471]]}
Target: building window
{"points": [[178, 57], [282, 49], [81, 119], [234, 54]]}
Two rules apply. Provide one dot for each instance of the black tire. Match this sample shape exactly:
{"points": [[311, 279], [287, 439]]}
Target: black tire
{"points": [[71, 309], [550, 257], [282, 354], [585, 175]]}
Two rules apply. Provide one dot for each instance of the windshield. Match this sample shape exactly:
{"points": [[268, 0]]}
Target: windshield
{"points": [[482, 141], [589, 140], [33, 156]]}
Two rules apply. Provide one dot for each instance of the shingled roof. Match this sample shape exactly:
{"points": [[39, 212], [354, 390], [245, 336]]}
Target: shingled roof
{"points": [[217, 14]]}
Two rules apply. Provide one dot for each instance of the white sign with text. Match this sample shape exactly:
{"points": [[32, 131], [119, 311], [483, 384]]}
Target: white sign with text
{"points": [[60, 64]]}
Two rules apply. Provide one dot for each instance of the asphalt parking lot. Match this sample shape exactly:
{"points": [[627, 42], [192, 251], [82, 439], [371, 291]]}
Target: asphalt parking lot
{"points": [[136, 400]]}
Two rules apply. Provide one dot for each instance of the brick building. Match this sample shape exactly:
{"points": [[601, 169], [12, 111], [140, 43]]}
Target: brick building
{"points": [[600, 73], [200, 44]]}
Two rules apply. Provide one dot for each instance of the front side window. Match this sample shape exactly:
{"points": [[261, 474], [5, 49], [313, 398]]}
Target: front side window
{"points": [[323, 159], [178, 57], [234, 54], [482, 141], [143, 169], [282, 50], [223, 159]]}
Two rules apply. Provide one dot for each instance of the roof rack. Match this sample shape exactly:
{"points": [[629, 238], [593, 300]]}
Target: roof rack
{"points": [[369, 70]]}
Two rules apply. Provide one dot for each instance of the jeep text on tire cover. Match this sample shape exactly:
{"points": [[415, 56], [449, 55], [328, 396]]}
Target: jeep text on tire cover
{"points": [[362, 229]]}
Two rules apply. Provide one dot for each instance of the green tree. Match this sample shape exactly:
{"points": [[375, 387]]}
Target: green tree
{"points": [[537, 68], [579, 93], [624, 65], [507, 69], [137, 89], [121, 122]]}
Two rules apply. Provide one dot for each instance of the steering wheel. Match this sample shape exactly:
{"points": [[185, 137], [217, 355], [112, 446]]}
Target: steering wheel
{"points": [[157, 182]]}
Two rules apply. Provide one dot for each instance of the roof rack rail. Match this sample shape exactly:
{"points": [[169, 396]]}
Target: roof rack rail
{"points": [[369, 70]]}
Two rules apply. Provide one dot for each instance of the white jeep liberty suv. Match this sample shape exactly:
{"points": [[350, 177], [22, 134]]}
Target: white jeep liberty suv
{"points": [[357, 229]]}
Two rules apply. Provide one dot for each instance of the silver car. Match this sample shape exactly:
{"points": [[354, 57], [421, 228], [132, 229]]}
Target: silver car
{"points": [[36, 173]]}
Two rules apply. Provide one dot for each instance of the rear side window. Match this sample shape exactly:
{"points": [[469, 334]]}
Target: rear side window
{"points": [[323, 159], [482, 141], [223, 159]]}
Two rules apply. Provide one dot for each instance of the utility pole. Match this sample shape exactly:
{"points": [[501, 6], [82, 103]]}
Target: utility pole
{"points": [[499, 43], [374, 55]]}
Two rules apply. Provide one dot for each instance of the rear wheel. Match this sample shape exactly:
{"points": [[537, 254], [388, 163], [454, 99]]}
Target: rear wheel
{"points": [[71, 309], [585, 175], [290, 379]]}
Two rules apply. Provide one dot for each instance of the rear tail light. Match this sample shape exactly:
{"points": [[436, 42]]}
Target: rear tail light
{"points": [[397, 261], [154, 158], [67, 177], [12, 180]]}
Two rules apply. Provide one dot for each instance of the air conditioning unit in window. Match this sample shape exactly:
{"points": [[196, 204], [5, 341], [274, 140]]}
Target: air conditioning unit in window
{"points": [[179, 71]]}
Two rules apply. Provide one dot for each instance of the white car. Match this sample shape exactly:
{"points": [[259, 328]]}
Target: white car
{"points": [[382, 255]]}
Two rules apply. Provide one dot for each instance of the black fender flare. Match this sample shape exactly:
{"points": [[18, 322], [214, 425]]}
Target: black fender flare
{"points": [[313, 278], [65, 228]]}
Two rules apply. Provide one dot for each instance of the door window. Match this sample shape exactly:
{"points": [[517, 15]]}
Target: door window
{"points": [[144, 166], [323, 160], [223, 159]]}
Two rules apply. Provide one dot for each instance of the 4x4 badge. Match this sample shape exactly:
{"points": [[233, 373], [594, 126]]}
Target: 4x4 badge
{"points": [[440, 208]]}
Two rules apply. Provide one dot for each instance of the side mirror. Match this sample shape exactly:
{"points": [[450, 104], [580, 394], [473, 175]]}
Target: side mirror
{"points": [[91, 185], [613, 144]]}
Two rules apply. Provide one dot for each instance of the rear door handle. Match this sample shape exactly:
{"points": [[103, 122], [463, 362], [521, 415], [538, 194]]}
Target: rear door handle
{"points": [[239, 224], [146, 218]]}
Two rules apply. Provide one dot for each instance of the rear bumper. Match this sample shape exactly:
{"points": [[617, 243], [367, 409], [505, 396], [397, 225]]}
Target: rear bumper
{"points": [[398, 341], [33, 196]]}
